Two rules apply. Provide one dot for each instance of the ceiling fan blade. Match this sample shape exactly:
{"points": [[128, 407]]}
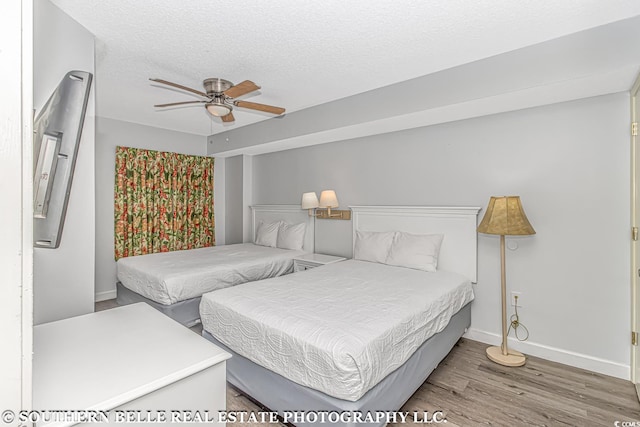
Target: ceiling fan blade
{"points": [[188, 89], [259, 107], [241, 88], [228, 118], [180, 103]]}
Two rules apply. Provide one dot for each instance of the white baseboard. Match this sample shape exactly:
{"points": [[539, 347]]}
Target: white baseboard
{"points": [[103, 296], [578, 360]]}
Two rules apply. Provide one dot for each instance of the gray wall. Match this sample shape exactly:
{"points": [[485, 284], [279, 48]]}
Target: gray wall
{"points": [[63, 277], [111, 133], [570, 164], [233, 199]]}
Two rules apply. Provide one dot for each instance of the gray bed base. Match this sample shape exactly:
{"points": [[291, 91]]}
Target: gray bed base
{"points": [[186, 312], [282, 395]]}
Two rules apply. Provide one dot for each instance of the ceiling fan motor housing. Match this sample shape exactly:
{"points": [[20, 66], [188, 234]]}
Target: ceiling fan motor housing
{"points": [[216, 86]]}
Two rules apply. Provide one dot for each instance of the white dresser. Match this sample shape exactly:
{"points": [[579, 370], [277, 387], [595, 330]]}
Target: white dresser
{"points": [[127, 359]]}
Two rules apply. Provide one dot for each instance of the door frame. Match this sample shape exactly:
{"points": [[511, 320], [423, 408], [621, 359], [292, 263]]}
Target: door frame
{"points": [[635, 241], [16, 167]]}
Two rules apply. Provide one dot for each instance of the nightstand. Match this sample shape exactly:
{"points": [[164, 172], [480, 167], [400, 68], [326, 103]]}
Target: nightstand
{"points": [[305, 262]]}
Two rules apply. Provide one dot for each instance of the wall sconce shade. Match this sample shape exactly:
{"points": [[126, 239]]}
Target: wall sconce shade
{"points": [[309, 200], [505, 217], [328, 199]]}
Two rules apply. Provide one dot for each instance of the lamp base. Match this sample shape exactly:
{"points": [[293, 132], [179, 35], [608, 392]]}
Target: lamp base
{"points": [[514, 358]]}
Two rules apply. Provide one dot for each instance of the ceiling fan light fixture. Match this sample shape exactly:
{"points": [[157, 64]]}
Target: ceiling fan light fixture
{"points": [[218, 110]]}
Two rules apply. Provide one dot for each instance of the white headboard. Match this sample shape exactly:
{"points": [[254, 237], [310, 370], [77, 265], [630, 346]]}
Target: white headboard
{"points": [[291, 214], [459, 251]]}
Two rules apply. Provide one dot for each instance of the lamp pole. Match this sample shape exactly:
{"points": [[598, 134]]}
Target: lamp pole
{"points": [[503, 289], [502, 354]]}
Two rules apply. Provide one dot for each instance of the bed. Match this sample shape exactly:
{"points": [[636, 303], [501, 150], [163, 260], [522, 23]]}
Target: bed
{"points": [[353, 337], [173, 282]]}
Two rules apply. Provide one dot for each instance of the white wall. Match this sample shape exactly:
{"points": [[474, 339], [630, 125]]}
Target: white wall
{"points": [[569, 162], [111, 133], [63, 277]]}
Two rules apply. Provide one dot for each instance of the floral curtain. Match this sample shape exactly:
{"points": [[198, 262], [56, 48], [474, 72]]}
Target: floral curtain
{"points": [[163, 202]]}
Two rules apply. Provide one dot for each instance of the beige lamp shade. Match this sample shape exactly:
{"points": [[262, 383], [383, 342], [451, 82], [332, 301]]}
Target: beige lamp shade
{"points": [[328, 199], [309, 200], [505, 217]]}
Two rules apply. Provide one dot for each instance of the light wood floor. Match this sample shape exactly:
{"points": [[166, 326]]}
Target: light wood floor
{"points": [[473, 391]]}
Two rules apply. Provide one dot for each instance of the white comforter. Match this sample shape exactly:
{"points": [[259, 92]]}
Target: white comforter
{"points": [[169, 277], [339, 328]]}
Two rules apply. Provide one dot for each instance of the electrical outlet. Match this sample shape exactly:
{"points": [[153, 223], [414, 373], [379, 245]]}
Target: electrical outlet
{"points": [[516, 299]]}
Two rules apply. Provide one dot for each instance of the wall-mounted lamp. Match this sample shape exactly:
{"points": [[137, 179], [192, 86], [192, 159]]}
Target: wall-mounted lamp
{"points": [[328, 200], [310, 201]]}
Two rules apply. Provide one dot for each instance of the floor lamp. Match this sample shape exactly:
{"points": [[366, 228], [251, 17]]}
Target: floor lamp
{"points": [[505, 217]]}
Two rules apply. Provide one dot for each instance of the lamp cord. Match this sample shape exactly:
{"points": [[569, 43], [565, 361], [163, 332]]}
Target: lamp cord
{"points": [[515, 324]]}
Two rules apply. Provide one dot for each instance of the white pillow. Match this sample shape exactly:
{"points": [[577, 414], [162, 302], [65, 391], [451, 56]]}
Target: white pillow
{"points": [[373, 246], [417, 251], [291, 236], [267, 233]]}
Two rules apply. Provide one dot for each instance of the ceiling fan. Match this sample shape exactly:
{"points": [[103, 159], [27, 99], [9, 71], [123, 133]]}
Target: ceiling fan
{"points": [[220, 97]]}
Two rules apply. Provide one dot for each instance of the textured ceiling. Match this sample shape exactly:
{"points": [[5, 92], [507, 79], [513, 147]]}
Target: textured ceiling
{"points": [[303, 53]]}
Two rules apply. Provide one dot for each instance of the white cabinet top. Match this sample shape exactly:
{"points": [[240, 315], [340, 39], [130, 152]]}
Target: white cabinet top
{"points": [[102, 360]]}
